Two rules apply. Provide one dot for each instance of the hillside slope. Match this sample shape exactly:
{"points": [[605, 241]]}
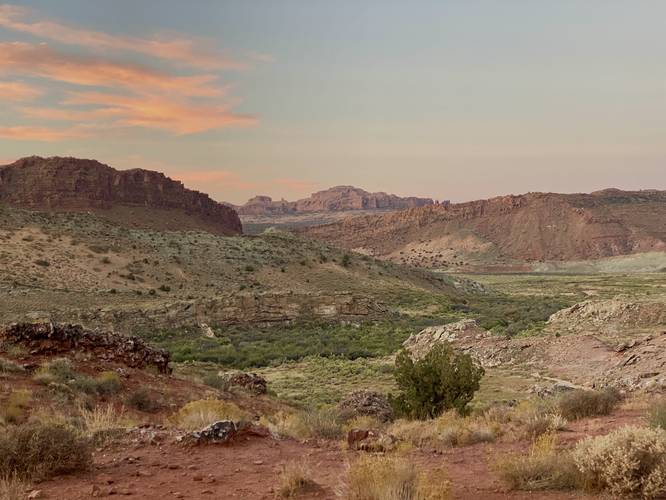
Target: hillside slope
{"points": [[133, 198], [510, 230]]}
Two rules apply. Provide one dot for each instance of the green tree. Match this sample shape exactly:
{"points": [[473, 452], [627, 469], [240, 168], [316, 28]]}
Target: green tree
{"points": [[441, 380]]}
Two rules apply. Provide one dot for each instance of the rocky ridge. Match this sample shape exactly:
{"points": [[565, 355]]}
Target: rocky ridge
{"points": [[508, 230], [335, 199], [135, 198]]}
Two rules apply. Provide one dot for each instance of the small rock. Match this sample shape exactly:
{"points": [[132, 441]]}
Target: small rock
{"points": [[34, 494]]}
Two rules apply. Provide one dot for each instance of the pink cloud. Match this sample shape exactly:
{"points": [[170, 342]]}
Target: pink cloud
{"points": [[172, 47], [213, 179], [18, 91], [46, 134], [40, 60]]}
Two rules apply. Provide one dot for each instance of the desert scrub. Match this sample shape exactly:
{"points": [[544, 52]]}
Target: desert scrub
{"points": [[196, 415], [295, 479], [581, 403], [630, 461], [12, 488], [391, 478], [448, 430], [108, 383], [39, 450], [9, 366], [142, 400], [543, 468], [443, 379], [323, 423], [59, 372], [13, 410], [104, 423], [657, 414]]}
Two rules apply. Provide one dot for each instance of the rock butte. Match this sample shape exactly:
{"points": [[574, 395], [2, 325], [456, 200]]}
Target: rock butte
{"points": [[134, 198]]}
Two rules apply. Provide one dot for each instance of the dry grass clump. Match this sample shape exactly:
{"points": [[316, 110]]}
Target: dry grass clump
{"points": [[543, 468], [142, 400], [308, 424], [581, 403], [104, 423], [12, 488], [295, 479], [363, 422], [445, 431], [657, 414], [391, 478], [196, 415], [57, 371], [39, 449], [630, 461], [9, 366], [13, 411]]}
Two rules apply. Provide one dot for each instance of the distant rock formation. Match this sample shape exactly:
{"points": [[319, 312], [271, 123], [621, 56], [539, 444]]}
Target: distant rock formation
{"points": [[533, 227], [135, 198], [335, 199]]}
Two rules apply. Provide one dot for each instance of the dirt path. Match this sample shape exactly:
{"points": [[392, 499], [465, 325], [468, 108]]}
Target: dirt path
{"points": [[250, 469]]}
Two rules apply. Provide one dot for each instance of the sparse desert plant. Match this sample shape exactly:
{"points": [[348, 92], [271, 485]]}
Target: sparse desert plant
{"points": [[630, 461], [346, 260], [295, 479], [543, 468], [13, 411], [657, 414], [581, 403], [103, 423], [37, 450], [364, 422], [540, 423], [443, 379], [216, 382], [446, 431], [12, 488], [9, 366], [389, 477], [142, 400], [108, 383], [58, 370], [314, 423], [198, 414]]}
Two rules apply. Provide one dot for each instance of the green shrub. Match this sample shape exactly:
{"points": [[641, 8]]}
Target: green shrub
{"points": [[142, 400], [56, 371], [581, 403], [441, 380], [38, 450], [217, 382], [630, 461], [346, 260]]}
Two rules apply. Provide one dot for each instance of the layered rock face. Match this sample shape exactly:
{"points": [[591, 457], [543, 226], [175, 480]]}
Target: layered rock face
{"points": [[137, 197], [336, 199], [531, 227]]}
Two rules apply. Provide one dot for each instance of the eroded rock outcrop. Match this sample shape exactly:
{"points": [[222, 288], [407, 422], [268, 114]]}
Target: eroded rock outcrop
{"points": [[421, 343], [49, 338], [366, 403], [137, 197], [335, 199]]}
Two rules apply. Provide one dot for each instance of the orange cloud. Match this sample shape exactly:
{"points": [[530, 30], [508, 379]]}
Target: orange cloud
{"points": [[18, 91], [157, 112], [40, 60], [46, 134], [176, 48]]}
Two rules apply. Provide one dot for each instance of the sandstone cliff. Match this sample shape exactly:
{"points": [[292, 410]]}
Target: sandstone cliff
{"points": [[137, 198], [532, 227], [335, 199]]}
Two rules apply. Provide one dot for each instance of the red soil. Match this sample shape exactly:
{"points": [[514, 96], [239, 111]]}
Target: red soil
{"points": [[250, 469]]}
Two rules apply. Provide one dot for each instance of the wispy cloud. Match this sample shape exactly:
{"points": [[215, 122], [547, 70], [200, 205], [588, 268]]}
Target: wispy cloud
{"points": [[43, 61], [213, 179], [297, 185], [105, 90], [172, 47], [46, 134], [18, 91]]}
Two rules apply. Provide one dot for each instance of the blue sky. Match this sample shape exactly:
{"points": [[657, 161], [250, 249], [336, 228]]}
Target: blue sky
{"points": [[453, 100]]}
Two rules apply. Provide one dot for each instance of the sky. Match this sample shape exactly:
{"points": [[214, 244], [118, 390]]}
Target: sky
{"points": [[455, 100]]}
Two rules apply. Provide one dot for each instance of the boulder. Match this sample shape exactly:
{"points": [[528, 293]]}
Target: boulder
{"points": [[224, 431], [422, 343], [370, 440], [250, 382]]}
